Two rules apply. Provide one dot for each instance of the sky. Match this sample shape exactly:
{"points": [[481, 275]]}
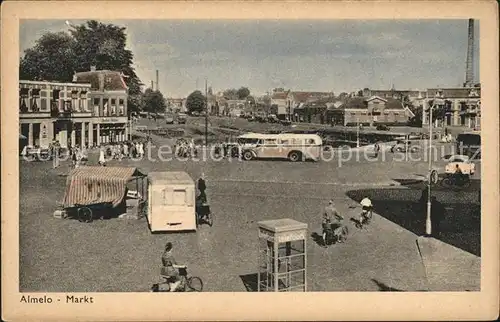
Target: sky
{"points": [[301, 55]]}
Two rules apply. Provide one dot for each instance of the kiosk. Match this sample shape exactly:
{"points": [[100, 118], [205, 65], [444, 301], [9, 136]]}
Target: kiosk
{"points": [[172, 203], [282, 256]]}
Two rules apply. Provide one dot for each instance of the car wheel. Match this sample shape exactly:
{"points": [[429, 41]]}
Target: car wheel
{"points": [[294, 156], [247, 155]]}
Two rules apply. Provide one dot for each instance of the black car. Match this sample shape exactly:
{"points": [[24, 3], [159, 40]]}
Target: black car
{"points": [[382, 127]]}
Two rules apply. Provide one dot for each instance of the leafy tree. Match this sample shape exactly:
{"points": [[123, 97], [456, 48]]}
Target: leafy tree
{"points": [[52, 58], [231, 94], [243, 93], [360, 93], [153, 101], [195, 102]]}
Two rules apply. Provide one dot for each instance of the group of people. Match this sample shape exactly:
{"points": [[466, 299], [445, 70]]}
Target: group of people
{"points": [[333, 221], [78, 155], [122, 150]]}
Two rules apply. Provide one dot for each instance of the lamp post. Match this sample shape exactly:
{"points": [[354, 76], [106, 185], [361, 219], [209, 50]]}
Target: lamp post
{"points": [[206, 114], [428, 223], [428, 220], [357, 133]]}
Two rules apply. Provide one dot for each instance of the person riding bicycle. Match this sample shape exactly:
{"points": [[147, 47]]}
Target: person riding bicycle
{"points": [[367, 208], [170, 268], [459, 176], [330, 213]]}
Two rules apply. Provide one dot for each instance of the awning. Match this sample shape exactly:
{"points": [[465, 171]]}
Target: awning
{"points": [[95, 185]]}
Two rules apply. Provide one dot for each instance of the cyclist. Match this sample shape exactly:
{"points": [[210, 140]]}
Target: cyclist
{"points": [[367, 208], [171, 268], [459, 176], [330, 213]]}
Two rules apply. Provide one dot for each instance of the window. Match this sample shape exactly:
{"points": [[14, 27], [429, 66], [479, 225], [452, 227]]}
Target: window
{"points": [[96, 101], [105, 107], [121, 101], [35, 94], [270, 142], [179, 197], [113, 101], [284, 142]]}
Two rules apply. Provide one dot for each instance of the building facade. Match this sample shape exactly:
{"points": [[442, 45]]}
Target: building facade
{"points": [[462, 106], [88, 112], [50, 111], [279, 103], [108, 122], [298, 100], [375, 110]]}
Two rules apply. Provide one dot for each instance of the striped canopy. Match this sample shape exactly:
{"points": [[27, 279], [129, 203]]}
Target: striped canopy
{"points": [[95, 185]]}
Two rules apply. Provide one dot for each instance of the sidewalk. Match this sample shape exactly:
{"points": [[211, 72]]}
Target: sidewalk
{"points": [[448, 268]]}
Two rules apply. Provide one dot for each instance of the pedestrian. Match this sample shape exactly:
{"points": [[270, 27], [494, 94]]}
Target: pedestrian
{"points": [[141, 149], [102, 158], [125, 149], [438, 213], [202, 187], [376, 149]]}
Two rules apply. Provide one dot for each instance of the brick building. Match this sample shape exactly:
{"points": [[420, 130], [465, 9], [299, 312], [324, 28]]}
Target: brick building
{"points": [[108, 96], [49, 111], [90, 111], [462, 106]]}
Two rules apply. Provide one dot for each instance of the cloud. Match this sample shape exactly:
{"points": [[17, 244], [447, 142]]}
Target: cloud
{"points": [[298, 54]]}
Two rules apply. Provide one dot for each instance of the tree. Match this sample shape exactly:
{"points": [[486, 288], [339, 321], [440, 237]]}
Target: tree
{"points": [[343, 96], [153, 101], [104, 46], [360, 93], [52, 58], [243, 93], [231, 94], [195, 102]]}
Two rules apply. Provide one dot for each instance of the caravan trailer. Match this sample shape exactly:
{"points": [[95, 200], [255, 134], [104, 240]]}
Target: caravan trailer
{"points": [[172, 205]]}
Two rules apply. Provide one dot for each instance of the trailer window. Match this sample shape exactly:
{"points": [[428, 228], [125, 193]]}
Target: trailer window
{"points": [[179, 197]]}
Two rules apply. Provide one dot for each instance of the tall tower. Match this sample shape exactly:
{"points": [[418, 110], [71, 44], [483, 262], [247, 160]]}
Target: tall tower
{"points": [[469, 69], [157, 80]]}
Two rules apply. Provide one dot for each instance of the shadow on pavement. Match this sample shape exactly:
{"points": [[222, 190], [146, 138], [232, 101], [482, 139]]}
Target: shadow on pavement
{"points": [[250, 282], [385, 288], [460, 228], [318, 239]]}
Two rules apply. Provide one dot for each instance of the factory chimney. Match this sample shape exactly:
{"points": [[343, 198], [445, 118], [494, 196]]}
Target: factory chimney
{"points": [[157, 79], [469, 69]]}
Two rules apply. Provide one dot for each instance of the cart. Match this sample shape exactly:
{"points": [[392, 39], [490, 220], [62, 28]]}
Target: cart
{"points": [[102, 192]]}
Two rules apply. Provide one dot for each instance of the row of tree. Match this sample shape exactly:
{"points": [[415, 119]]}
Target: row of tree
{"points": [[57, 56]]}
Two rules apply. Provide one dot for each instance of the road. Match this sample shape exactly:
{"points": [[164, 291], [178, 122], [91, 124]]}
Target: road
{"points": [[120, 255]]}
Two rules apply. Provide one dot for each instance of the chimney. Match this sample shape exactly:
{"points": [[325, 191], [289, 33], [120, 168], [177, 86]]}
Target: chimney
{"points": [[101, 82], [157, 79], [469, 69], [93, 68]]}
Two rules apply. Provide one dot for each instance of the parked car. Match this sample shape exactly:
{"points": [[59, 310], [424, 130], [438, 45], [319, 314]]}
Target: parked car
{"points": [[382, 127], [285, 122], [272, 118], [195, 113], [463, 162], [169, 119], [181, 118], [402, 145]]}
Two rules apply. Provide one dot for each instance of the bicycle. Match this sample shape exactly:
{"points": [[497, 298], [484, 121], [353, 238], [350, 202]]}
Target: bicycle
{"points": [[364, 219], [188, 283]]}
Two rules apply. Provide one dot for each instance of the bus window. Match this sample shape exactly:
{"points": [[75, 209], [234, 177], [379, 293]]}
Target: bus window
{"points": [[310, 141], [270, 142]]}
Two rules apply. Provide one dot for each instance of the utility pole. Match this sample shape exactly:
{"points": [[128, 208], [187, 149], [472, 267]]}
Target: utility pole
{"points": [[206, 114], [357, 134]]}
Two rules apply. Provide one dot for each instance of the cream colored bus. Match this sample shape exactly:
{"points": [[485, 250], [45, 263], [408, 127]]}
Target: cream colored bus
{"points": [[294, 147]]}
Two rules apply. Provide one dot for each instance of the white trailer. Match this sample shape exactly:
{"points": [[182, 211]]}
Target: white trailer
{"points": [[172, 201]]}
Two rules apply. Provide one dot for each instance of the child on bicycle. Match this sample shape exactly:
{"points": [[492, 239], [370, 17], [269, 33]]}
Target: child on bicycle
{"points": [[367, 208]]}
